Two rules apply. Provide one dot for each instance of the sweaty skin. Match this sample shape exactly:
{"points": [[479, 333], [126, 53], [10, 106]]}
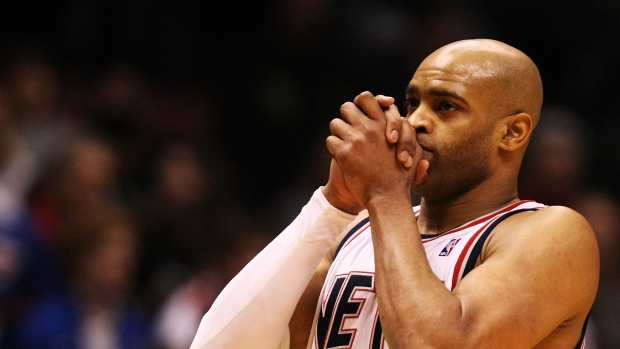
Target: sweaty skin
{"points": [[472, 106]]}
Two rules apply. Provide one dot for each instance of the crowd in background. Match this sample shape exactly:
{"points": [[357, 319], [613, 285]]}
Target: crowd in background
{"points": [[131, 192]]}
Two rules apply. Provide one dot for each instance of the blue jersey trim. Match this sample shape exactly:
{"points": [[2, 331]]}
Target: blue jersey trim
{"points": [[357, 227], [477, 250], [583, 332]]}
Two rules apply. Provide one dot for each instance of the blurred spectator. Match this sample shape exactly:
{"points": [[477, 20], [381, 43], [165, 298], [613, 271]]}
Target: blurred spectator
{"points": [[95, 311], [27, 264], [39, 115], [30, 233], [603, 212], [178, 320], [28, 270], [184, 219], [556, 167], [17, 162], [84, 180]]}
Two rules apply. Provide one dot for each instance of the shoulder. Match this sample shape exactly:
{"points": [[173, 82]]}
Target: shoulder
{"points": [[554, 246], [552, 230], [552, 224], [554, 238]]}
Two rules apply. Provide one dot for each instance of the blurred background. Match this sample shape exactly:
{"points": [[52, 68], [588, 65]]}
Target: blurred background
{"points": [[148, 150]]}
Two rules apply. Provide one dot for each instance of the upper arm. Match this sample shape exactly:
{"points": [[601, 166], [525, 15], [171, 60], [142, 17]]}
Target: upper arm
{"points": [[541, 271]]}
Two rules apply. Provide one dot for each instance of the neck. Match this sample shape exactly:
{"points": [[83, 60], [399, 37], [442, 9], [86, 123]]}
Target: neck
{"points": [[439, 216]]}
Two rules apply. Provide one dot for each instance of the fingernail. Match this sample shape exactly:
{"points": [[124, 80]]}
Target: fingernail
{"points": [[403, 156], [409, 162], [394, 135]]}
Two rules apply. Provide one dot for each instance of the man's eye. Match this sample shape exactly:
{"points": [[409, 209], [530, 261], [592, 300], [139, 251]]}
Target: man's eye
{"points": [[445, 106], [411, 103]]}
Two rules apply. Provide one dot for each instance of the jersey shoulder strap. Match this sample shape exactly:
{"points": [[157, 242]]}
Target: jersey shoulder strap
{"points": [[477, 249], [350, 233]]}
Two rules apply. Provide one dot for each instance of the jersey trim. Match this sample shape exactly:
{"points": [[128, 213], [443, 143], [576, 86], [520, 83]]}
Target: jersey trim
{"points": [[457, 275], [582, 339], [477, 250], [476, 221], [350, 233], [357, 229]]}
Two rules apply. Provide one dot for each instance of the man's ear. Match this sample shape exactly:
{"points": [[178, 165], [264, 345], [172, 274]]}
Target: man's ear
{"points": [[516, 131]]}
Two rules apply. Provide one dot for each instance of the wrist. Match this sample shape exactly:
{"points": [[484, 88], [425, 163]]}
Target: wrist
{"points": [[336, 200], [389, 201]]}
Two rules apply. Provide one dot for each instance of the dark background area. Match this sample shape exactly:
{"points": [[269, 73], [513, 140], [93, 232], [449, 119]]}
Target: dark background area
{"points": [[198, 128], [327, 50]]}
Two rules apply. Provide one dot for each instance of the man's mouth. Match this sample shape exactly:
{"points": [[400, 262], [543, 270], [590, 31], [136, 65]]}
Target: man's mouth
{"points": [[427, 153]]}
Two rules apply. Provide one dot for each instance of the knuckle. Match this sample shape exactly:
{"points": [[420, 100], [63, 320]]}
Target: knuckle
{"points": [[333, 124], [346, 149], [363, 95], [329, 141], [343, 151], [344, 107], [357, 138]]}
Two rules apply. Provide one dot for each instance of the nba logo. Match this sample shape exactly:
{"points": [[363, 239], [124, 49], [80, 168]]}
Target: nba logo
{"points": [[446, 250]]}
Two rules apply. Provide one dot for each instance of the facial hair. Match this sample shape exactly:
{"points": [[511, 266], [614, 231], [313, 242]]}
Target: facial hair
{"points": [[456, 168]]}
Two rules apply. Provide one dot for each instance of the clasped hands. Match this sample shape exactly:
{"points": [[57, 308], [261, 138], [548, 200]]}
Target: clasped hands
{"points": [[374, 154]]}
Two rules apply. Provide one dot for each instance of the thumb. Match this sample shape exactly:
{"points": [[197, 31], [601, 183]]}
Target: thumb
{"points": [[421, 172]]}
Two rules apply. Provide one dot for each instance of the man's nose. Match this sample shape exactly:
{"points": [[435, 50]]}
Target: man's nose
{"points": [[421, 120]]}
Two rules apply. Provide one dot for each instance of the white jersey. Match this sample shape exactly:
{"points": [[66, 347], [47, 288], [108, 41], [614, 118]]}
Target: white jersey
{"points": [[347, 315]]}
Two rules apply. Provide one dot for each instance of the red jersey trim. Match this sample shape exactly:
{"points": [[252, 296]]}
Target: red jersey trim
{"points": [[479, 220]]}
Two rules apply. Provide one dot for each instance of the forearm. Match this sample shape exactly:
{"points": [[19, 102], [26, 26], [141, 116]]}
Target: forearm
{"points": [[254, 309], [416, 309]]}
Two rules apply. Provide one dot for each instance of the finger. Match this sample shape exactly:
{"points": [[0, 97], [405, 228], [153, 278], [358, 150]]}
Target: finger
{"points": [[369, 105], [421, 172], [333, 144], [340, 129], [350, 113], [406, 147], [385, 101], [393, 124]]}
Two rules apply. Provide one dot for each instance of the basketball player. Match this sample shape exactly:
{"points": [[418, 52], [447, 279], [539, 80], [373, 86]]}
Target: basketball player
{"points": [[471, 267]]}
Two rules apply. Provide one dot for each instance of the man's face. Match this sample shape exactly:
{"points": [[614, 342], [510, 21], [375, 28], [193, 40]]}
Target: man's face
{"points": [[451, 114]]}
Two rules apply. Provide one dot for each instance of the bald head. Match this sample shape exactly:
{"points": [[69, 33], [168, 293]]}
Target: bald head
{"points": [[474, 104], [508, 77]]}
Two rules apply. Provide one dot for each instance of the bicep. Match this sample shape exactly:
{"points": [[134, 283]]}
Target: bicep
{"points": [[535, 280]]}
